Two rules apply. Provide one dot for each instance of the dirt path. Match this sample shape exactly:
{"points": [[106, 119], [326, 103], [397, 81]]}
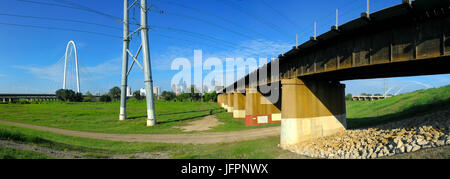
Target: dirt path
{"points": [[198, 138], [201, 125]]}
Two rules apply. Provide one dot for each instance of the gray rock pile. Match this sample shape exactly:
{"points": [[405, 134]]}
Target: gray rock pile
{"points": [[409, 135]]}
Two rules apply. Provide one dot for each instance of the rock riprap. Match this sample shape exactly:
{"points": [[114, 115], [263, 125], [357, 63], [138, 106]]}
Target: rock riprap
{"points": [[403, 136]]}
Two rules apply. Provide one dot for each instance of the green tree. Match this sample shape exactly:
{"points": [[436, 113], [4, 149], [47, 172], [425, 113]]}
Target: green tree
{"points": [[138, 96], [168, 95], [66, 95], [89, 97], [349, 96], [183, 97], [210, 97], [115, 93], [78, 97], [105, 98]]}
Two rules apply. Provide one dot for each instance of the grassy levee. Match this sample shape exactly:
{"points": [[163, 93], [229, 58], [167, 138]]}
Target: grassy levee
{"points": [[361, 114]]}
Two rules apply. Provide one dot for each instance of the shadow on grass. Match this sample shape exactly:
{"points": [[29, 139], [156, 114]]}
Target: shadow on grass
{"points": [[179, 120], [184, 112], [212, 112], [355, 123]]}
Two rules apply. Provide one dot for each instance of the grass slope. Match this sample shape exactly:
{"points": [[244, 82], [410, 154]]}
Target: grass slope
{"points": [[368, 113]]}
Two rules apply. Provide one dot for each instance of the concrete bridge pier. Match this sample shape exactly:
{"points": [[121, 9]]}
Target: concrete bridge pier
{"points": [[230, 102], [259, 110], [311, 109], [225, 101], [239, 104], [219, 100]]}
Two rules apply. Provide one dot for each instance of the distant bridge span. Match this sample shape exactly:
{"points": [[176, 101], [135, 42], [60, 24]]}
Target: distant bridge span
{"points": [[403, 40]]}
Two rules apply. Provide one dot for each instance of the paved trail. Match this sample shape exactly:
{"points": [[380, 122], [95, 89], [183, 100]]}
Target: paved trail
{"points": [[198, 138]]}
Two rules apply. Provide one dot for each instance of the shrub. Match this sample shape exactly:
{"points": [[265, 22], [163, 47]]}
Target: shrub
{"points": [[105, 98], [69, 95], [115, 93], [138, 96]]}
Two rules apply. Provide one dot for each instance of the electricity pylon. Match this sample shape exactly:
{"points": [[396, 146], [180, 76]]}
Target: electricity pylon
{"points": [[143, 29]]}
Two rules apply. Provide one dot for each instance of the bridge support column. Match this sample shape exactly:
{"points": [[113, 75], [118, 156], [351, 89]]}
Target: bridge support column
{"points": [[239, 105], [311, 109], [259, 110], [225, 101], [219, 102], [230, 99]]}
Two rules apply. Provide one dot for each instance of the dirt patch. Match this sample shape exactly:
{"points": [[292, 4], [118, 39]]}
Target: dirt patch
{"points": [[201, 125]]}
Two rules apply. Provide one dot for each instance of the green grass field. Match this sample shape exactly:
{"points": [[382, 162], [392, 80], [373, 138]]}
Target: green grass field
{"points": [[102, 117]]}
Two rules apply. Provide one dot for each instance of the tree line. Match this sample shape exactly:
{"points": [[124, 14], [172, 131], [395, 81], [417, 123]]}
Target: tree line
{"points": [[115, 92]]}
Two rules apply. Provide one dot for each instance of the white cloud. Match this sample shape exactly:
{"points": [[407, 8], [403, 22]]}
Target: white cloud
{"points": [[55, 72]]}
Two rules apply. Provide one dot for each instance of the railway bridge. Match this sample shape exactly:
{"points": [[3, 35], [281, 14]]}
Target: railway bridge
{"points": [[10, 98], [404, 40]]}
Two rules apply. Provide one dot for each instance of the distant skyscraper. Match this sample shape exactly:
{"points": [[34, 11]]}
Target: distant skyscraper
{"points": [[156, 91], [142, 91], [129, 91]]}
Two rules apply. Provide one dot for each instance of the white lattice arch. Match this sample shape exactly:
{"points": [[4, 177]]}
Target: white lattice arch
{"points": [[76, 65]]}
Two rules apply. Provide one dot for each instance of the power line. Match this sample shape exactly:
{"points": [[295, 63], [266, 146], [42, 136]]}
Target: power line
{"points": [[279, 13], [190, 41], [72, 7], [87, 9], [261, 20], [195, 34], [58, 28], [60, 19], [213, 15], [212, 24]]}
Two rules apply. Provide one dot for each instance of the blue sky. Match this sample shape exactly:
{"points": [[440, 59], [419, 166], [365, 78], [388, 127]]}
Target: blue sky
{"points": [[30, 58]]}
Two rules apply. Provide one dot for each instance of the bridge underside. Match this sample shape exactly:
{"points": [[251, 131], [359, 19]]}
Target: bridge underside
{"points": [[399, 41]]}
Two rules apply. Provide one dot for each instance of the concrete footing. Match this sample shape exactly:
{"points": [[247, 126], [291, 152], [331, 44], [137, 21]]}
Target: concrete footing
{"points": [[311, 109]]}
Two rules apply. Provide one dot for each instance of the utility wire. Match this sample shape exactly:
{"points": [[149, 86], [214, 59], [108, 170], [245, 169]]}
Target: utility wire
{"points": [[195, 34], [72, 7], [261, 20], [279, 13], [87, 9], [212, 24], [213, 15], [60, 19], [190, 41], [58, 28]]}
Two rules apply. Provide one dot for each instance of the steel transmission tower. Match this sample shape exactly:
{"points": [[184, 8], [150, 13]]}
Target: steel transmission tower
{"points": [[143, 29], [76, 65]]}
